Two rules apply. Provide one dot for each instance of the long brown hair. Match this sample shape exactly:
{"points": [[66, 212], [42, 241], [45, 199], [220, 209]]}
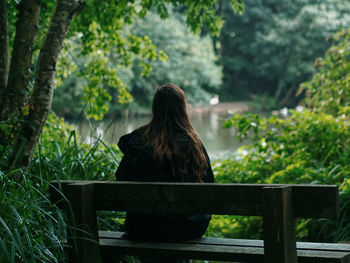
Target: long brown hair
{"points": [[170, 123]]}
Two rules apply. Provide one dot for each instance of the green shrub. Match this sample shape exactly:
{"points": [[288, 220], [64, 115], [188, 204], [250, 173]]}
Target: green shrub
{"points": [[307, 147], [311, 146]]}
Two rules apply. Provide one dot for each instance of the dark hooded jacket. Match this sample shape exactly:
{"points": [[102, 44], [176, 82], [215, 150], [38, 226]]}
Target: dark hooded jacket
{"points": [[139, 164]]}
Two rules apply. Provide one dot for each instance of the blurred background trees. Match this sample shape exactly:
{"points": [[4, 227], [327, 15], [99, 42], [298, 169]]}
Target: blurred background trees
{"points": [[188, 59], [271, 48], [261, 55]]}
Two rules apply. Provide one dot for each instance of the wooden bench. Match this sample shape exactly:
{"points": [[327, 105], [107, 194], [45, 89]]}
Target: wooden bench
{"points": [[279, 205]]}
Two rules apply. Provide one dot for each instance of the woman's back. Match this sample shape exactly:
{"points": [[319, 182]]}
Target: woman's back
{"points": [[165, 150], [139, 164]]}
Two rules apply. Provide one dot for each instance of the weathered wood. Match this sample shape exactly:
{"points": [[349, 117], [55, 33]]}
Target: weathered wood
{"points": [[182, 250], [275, 202], [84, 234], [278, 225], [313, 201], [233, 199], [331, 247], [58, 191], [217, 249]]}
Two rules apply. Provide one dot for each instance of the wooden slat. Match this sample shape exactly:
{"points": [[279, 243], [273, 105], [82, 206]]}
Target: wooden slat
{"points": [[212, 251], [244, 242], [312, 256], [182, 250], [235, 199], [58, 192], [321, 203], [84, 235], [278, 225], [323, 246]]}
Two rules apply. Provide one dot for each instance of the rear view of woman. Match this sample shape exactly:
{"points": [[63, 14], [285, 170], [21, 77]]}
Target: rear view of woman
{"points": [[167, 149]]}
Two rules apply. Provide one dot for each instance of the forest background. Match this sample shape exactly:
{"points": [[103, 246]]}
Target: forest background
{"points": [[115, 54]]}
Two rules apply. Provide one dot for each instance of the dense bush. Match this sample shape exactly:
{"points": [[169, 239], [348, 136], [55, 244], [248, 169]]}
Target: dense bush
{"points": [[309, 146]]}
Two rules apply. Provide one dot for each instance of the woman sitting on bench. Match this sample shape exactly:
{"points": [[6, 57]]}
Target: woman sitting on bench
{"points": [[167, 149]]}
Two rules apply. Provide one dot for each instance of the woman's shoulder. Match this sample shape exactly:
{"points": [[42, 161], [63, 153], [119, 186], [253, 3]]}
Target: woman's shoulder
{"points": [[131, 140]]}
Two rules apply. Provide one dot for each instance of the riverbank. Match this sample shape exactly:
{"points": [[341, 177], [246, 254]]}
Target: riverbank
{"points": [[222, 108]]}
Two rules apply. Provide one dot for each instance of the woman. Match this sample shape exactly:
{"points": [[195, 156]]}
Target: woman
{"points": [[167, 149]]}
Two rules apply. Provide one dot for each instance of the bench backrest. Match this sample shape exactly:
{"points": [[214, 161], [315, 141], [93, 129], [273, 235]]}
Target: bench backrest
{"points": [[319, 201]]}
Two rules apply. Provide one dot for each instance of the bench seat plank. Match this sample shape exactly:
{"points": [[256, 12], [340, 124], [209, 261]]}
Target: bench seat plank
{"points": [[221, 249], [181, 250]]}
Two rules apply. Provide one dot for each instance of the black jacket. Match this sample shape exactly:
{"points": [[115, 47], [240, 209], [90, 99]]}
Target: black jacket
{"points": [[138, 164]]}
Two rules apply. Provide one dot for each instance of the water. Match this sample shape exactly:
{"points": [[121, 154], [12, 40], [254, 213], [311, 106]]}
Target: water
{"points": [[219, 142]]}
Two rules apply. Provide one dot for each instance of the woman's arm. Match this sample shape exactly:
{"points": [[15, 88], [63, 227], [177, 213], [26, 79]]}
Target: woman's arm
{"points": [[121, 173], [209, 176]]}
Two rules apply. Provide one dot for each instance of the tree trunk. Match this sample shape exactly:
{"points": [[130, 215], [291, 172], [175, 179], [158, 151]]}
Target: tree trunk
{"points": [[4, 47], [17, 91], [40, 102], [288, 99], [4, 59]]}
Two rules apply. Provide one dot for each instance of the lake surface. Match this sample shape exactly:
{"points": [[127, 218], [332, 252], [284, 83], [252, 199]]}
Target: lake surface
{"points": [[219, 142]]}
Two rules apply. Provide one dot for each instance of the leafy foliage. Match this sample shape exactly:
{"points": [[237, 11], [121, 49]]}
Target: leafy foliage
{"points": [[191, 62], [181, 57], [310, 146], [98, 71], [329, 89], [108, 49]]}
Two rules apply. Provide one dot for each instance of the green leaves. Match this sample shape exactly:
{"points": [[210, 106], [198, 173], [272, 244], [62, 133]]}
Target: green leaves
{"points": [[191, 61], [238, 6], [307, 147], [329, 89], [100, 47], [99, 66]]}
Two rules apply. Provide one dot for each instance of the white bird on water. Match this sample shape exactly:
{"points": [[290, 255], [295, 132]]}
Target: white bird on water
{"points": [[214, 100]]}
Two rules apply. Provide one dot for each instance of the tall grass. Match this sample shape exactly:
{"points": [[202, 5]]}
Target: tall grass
{"points": [[31, 228], [60, 155]]}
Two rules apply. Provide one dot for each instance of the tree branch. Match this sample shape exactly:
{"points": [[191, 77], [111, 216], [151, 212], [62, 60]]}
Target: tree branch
{"points": [[26, 30], [4, 47], [40, 102]]}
